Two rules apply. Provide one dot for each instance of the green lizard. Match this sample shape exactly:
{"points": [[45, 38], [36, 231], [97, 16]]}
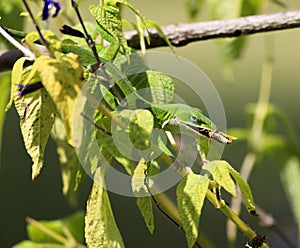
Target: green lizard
{"points": [[179, 118], [176, 117]]}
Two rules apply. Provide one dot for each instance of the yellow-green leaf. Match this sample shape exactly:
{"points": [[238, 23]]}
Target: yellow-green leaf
{"points": [[16, 76], [37, 114], [145, 206], [139, 189], [30, 244], [100, 227], [62, 79], [245, 189], [69, 163], [110, 22], [220, 172], [191, 192]]}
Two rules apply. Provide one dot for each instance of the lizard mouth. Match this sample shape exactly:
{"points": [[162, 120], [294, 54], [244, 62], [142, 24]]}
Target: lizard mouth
{"points": [[200, 131]]}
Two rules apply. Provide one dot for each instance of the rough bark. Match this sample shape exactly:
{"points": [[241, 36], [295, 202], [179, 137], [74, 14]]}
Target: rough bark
{"points": [[183, 34]]}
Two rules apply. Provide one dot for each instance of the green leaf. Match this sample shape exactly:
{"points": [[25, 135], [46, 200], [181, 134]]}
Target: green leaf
{"points": [[74, 225], [160, 87], [141, 126], [136, 134], [139, 189], [204, 147], [30, 244], [86, 56], [110, 24], [70, 165], [245, 189], [100, 226], [220, 172], [159, 137], [37, 113], [108, 96], [128, 5], [145, 206], [111, 147], [191, 192], [290, 175], [62, 80], [138, 179], [152, 24]]}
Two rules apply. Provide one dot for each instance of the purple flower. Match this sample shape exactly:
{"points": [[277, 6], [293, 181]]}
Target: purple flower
{"points": [[48, 6]]}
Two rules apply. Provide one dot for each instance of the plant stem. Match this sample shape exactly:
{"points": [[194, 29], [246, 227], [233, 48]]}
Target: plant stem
{"points": [[45, 43], [232, 216], [46, 230]]}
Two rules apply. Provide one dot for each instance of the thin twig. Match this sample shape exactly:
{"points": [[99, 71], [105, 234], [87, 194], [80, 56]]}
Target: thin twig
{"points": [[88, 38], [45, 43]]}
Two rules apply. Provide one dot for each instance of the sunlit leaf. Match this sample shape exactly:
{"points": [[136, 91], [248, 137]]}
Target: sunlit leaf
{"points": [[100, 226], [70, 165], [62, 80], [221, 174], [245, 189], [110, 24], [16, 76], [111, 148], [74, 224], [37, 113], [152, 24], [135, 136], [86, 57], [30, 244], [108, 96], [140, 128], [160, 87], [190, 194], [144, 201]]}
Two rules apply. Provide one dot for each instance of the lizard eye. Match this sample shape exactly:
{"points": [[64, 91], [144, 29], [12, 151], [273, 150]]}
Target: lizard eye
{"points": [[193, 118]]}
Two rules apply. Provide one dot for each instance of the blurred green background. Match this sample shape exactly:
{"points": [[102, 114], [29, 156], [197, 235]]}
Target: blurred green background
{"points": [[42, 198]]}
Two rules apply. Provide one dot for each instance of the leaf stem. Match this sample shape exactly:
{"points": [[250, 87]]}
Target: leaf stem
{"points": [[232, 216], [45, 43], [46, 230]]}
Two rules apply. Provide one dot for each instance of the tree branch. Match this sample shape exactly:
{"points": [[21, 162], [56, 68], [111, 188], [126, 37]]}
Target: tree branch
{"points": [[183, 34]]}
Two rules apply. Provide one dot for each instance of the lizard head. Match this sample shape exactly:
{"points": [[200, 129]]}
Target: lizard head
{"points": [[191, 121]]}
